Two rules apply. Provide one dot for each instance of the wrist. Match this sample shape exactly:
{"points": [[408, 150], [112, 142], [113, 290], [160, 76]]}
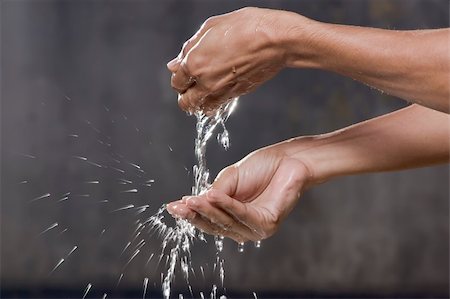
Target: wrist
{"points": [[300, 149], [319, 156], [301, 38]]}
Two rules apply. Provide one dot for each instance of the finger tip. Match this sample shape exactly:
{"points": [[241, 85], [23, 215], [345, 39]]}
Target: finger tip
{"points": [[171, 208], [177, 209]]}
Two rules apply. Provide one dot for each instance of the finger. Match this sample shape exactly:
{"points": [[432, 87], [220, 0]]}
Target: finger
{"points": [[216, 95], [210, 228], [192, 99], [181, 80], [234, 207], [227, 180], [218, 217], [178, 209], [174, 64]]}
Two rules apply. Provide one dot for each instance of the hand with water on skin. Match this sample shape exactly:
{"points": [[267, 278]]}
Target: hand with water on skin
{"points": [[249, 199], [234, 53], [229, 56]]}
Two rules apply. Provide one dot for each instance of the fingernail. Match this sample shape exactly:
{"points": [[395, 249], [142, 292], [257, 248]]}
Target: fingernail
{"points": [[171, 208], [172, 63]]}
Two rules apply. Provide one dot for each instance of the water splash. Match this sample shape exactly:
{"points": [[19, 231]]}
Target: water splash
{"points": [[176, 240], [72, 251], [86, 291], [57, 265], [145, 287], [182, 235], [40, 197], [49, 228], [119, 280], [127, 207]]}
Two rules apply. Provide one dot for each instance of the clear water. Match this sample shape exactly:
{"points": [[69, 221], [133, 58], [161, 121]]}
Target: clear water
{"points": [[181, 236]]}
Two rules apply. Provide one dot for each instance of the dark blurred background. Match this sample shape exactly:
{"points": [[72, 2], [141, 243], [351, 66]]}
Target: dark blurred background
{"points": [[88, 78]]}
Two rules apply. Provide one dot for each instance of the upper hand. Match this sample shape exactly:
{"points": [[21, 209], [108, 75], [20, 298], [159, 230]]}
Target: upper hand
{"points": [[230, 55]]}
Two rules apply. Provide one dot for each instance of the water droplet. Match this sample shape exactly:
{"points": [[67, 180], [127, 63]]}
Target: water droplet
{"points": [[224, 139], [258, 244], [86, 291], [57, 265], [40, 197], [145, 287], [49, 228], [119, 280], [219, 243]]}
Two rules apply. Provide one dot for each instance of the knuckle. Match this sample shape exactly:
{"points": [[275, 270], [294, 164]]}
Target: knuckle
{"points": [[248, 9], [193, 64], [213, 196], [210, 21]]}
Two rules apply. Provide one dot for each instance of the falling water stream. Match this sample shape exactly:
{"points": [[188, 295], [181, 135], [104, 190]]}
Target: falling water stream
{"points": [[184, 232]]}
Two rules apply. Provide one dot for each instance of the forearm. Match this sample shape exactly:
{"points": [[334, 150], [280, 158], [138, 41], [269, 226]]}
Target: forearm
{"points": [[413, 65], [411, 137]]}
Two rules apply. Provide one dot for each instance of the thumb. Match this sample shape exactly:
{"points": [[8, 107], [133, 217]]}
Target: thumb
{"points": [[227, 180]]}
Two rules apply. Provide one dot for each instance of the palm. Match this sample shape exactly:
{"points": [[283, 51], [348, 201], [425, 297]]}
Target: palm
{"points": [[269, 184], [249, 199]]}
